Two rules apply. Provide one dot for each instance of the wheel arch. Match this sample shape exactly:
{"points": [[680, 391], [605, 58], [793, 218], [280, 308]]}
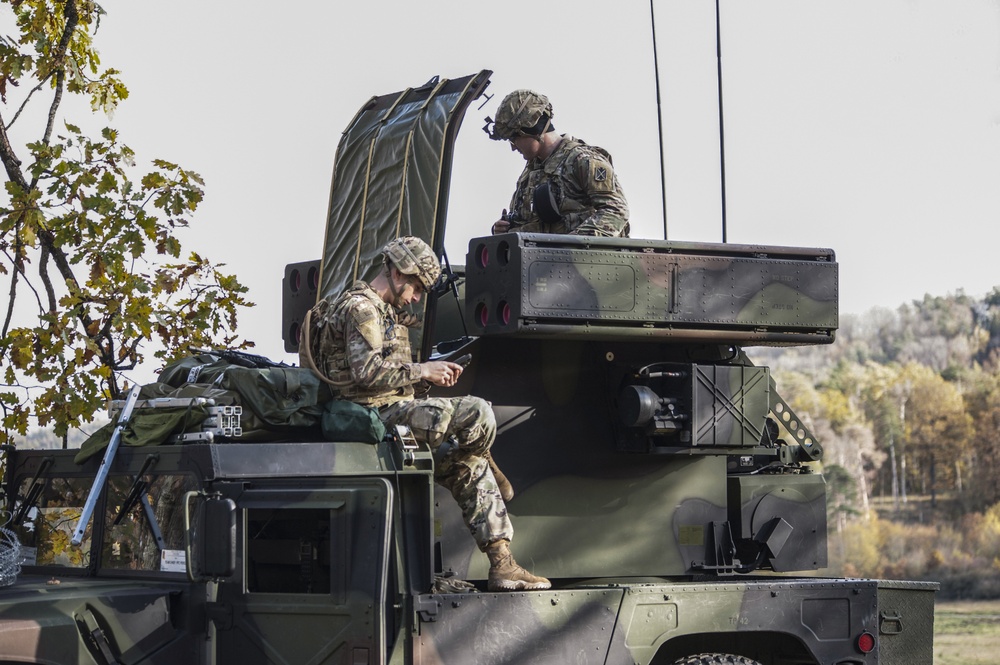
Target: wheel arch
{"points": [[762, 646]]}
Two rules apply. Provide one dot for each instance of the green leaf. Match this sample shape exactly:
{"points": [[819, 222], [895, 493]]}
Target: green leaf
{"points": [[114, 258]]}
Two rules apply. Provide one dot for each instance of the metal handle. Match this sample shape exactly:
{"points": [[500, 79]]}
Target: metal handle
{"points": [[102, 472]]}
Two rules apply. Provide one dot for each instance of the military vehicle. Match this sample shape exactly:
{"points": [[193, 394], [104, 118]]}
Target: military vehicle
{"points": [[677, 521]]}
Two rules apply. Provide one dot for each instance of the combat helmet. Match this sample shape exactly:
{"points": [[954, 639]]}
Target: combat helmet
{"points": [[412, 256], [521, 113]]}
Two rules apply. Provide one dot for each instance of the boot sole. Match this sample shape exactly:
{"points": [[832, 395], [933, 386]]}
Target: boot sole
{"points": [[519, 586]]}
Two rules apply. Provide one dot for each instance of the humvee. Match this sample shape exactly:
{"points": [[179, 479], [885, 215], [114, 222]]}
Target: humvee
{"points": [[677, 521]]}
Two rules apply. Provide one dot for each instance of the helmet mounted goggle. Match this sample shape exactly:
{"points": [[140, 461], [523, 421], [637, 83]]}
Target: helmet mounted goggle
{"points": [[532, 117]]}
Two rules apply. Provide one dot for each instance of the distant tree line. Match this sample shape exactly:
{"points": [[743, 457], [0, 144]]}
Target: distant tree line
{"points": [[906, 403]]}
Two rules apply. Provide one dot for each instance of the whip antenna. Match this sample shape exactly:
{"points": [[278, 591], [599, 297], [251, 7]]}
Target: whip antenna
{"points": [[722, 130], [659, 122]]}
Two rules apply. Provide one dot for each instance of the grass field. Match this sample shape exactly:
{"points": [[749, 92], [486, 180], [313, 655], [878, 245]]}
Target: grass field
{"points": [[967, 633]]}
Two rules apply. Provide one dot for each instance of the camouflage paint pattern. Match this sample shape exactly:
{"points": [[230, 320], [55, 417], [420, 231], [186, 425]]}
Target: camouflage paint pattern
{"points": [[589, 500], [770, 620], [535, 284], [619, 621]]}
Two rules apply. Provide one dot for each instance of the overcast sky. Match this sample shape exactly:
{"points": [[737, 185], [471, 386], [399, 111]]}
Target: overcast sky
{"points": [[868, 126]]}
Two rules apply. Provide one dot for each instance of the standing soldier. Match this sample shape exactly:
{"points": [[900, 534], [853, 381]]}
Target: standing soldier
{"points": [[567, 186], [359, 346]]}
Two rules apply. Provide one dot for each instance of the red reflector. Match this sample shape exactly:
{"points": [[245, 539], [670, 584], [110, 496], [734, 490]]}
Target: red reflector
{"points": [[866, 642], [503, 312]]}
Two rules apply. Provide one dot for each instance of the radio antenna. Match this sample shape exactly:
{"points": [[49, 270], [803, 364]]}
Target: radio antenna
{"points": [[722, 128], [659, 122]]}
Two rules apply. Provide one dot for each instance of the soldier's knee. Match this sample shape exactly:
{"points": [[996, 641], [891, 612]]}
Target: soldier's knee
{"points": [[475, 424], [485, 413]]}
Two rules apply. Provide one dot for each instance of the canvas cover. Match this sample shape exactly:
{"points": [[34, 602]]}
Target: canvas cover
{"points": [[391, 177]]}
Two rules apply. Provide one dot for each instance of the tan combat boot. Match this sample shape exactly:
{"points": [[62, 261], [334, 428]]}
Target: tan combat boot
{"points": [[506, 489], [506, 575]]}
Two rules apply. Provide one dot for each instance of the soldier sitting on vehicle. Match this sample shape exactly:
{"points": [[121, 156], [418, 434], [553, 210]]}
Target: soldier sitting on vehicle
{"points": [[359, 346], [567, 186]]}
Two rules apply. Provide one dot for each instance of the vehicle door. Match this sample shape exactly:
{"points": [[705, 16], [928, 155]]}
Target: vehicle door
{"points": [[311, 579]]}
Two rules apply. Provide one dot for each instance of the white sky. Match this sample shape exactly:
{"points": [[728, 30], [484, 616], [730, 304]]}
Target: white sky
{"points": [[868, 126]]}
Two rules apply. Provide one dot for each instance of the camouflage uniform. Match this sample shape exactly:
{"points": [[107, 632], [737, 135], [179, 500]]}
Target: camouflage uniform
{"points": [[585, 191], [573, 190], [363, 350]]}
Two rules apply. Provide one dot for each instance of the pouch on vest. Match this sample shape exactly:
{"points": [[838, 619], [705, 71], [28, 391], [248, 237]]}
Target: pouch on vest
{"points": [[343, 420], [543, 203]]}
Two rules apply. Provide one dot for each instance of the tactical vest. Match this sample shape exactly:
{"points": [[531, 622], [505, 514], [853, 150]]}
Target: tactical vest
{"points": [[329, 340], [554, 171]]}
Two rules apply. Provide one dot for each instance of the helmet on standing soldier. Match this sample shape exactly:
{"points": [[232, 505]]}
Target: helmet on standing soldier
{"points": [[521, 113]]}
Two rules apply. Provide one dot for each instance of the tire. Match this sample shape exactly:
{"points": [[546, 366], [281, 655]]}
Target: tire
{"points": [[715, 659]]}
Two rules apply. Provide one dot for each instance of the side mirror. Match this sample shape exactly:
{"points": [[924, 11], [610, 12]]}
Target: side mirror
{"points": [[210, 537]]}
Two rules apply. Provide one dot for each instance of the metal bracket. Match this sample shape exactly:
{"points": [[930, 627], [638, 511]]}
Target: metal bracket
{"points": [[95, 635], [427, 607], [406, 443], [808, 447], [35, 488], [221, 614], [720, 552]]}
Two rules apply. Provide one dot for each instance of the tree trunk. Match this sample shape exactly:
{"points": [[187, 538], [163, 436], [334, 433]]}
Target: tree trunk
{"points": [[902, 474], [933, 483], [863, 486], [895, 477]]}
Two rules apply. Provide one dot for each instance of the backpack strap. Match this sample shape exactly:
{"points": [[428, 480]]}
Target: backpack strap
{"points": [[305, 353]]}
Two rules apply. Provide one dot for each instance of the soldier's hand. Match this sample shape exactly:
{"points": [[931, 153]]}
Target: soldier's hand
{"points": [[440, 372], [501, 226]]}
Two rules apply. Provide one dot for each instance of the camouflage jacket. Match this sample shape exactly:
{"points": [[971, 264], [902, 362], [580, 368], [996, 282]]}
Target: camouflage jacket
{"points": [[584, 189], [361, 347]]}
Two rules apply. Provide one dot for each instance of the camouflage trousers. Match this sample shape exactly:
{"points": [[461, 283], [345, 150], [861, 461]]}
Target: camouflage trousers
{"points": [[460, 431]]}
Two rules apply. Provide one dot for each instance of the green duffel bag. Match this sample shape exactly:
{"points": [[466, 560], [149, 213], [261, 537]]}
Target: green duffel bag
{"points": [[281, 399], [343, 420]]}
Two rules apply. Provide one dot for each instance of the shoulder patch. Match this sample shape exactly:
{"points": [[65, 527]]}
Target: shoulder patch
{"points": [[363, 314], [366, 321], [601, 175]]}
